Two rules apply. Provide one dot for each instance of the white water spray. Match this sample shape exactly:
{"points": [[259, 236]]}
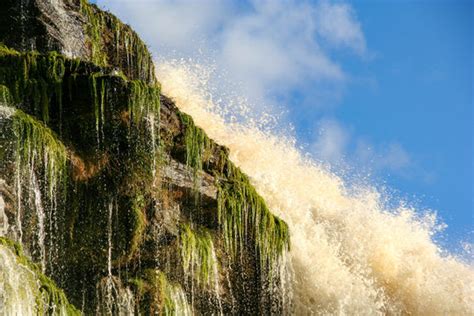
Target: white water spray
{"points": [[351, 254]]}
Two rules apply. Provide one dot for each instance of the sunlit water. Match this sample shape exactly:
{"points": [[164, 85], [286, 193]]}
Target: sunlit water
{"points": [[18, 286], [350, 252]]}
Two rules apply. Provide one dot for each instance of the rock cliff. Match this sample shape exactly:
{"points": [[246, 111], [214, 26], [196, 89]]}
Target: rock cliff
{"points": [[120, 203]]}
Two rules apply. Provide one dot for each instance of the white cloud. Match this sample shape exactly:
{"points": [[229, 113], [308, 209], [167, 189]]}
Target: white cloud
{"points": [[392, 156], [331, 141], [336, 144], [338, 24], [274, 47]]}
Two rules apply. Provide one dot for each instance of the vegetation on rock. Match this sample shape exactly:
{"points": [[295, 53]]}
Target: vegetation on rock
{"points": [[50, 299], [128, 52], [96, 138], [198, 255]]}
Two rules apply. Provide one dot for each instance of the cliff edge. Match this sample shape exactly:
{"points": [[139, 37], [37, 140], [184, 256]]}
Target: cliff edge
{"points": [[116, 197]]}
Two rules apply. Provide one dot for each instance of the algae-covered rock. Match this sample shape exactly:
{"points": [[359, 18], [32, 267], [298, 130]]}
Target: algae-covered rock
{"points": [[113, 192], [25, 289]]}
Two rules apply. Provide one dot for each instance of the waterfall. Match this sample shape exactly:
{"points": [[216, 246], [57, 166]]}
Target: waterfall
{"points": [[350, 252]]}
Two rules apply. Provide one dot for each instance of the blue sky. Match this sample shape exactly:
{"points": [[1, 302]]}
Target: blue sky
{"points": [[422, 98], [380, 87]]}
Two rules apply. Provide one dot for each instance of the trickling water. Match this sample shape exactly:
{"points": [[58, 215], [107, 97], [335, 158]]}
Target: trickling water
{"points": [[19, 197], [351, 254], [3, 217], [5, 114], [280, 287], [215, 279], [200, 263], [23, 291], [174, 301], [109, 237], [41, 216], [113, 298], [152, 122], [39, 167], [18, 286], [231, 294]]}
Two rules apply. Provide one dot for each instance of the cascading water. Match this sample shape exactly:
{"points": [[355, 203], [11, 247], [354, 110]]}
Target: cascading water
{"points": [[18, 286], [39, 168], [24, 290], [5, 115], [152, 128], [3, 217], [112, 297], [200, 263], [350, 253], [40, 213]]}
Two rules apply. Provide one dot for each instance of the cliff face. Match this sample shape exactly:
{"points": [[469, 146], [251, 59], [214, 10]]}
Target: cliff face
{"points": [[114, 194]]}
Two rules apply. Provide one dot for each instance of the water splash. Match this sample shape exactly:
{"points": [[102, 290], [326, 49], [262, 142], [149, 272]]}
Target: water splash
{"points": [[351, 253]]}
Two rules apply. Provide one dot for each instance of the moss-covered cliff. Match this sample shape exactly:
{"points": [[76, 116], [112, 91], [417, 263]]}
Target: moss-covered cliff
{"points": [[112, 191]]}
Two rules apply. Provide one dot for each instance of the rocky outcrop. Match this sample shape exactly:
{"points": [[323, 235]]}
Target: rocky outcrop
{"points": [[75, 29], [116, 194], [44, 26]]}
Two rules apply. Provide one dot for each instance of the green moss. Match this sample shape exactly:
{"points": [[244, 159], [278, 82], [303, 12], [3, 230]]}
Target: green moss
{"points": [[143, 99], [196, 141], [97, 87], [50, 300], [33, 78], [138, 225], [197, 255], [242, 213], [4, 50], [243, 216], [159, 296], [105, 31], [140, 222], [5, 97], [36, 143], [94, 29], [41, 83]]}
